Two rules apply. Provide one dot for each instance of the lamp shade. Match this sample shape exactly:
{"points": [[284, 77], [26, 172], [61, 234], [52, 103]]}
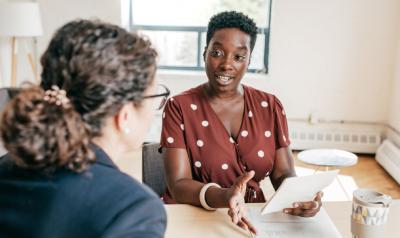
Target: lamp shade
{"points": [[20, 19]]}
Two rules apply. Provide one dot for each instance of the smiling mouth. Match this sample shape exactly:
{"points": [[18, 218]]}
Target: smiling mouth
{"points": [[224, 79]]}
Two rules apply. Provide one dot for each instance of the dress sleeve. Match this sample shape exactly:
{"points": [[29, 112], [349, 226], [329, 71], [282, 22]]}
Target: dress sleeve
{"points": [[281, 126], [172, 133]]}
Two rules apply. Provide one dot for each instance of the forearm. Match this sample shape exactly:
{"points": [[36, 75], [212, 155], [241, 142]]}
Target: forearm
{"points": [[284, 167], [277, 180], [187, 191]]}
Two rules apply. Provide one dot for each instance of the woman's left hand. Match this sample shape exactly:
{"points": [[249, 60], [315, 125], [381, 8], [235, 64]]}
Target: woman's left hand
{"points": [[306, 209]]}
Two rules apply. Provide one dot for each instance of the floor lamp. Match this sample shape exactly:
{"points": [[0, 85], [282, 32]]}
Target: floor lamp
{"points": [[20, 20]]}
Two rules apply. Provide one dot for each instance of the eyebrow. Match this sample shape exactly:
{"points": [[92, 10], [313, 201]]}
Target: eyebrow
{"points": [[239, 48]]}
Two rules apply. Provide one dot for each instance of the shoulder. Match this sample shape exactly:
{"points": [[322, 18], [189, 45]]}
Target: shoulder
{"points": [[121, 203], [261, 96], [102, 196], [193, 93], [185, 101], [121, 184], [129, 208]]}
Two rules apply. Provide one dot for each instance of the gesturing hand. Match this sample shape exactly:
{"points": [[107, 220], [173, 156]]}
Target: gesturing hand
{"points": [[237, 208], [306, 209]]}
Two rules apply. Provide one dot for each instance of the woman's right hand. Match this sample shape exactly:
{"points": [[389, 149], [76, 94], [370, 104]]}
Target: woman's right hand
{"points": [[236, 203]]}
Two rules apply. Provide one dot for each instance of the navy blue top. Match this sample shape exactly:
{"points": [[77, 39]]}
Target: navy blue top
{"points": [[101, 202]]}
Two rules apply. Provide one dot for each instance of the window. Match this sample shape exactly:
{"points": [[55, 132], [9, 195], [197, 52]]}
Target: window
{"points": [[178, 28]]}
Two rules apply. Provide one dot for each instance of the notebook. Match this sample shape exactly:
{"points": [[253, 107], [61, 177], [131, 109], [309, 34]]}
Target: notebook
{"points": [[272, 222], [298, 189], [280, 225]]}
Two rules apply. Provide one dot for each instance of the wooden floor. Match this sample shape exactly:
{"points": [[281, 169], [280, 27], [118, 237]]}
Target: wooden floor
{"points": [[368, 174]]}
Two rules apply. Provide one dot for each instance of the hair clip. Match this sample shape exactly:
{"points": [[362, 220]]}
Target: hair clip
{"points": [[57, 96]]}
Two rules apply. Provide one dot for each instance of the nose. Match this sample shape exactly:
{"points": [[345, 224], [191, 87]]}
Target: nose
{"points": [[226, 63]]}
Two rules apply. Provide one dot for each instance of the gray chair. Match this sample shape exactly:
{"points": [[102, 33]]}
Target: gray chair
{"points": [[5, 96], [153, 174]]}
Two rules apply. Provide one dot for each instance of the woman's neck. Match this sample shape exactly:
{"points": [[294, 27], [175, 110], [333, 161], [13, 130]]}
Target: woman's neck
{"points": [[109, 143], [213, 93]]}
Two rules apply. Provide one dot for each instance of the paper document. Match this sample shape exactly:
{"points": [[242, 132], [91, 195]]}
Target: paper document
{"points": [[280, 225], [298, 189]]}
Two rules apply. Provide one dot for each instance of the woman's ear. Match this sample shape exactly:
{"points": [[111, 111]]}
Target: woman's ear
{"points": [[123, 119]]}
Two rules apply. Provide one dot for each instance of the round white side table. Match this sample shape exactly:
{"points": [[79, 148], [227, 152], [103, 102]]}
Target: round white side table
{"points": [[328, 159]]}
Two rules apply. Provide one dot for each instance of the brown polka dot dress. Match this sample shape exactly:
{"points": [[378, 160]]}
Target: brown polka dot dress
{"points": [[190, 123]]}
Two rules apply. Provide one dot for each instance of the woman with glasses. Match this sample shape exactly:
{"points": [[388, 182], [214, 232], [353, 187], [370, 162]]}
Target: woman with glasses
{"points": [[222, 138], [94, 104], [160, 98]]}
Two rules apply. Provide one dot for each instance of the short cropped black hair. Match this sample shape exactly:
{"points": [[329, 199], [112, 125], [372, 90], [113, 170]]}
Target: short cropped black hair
{"points": [[232, 19]]}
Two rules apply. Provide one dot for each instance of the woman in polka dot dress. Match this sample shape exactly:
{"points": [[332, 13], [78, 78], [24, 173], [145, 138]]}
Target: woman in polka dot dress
{"points": [[227, 133]]}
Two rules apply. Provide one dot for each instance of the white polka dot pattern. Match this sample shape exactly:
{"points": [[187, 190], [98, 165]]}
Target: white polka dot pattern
{"points": [[224, 166], [200, 143], [264, 104], [250, 114], [193, 106], [231, 140], [260, 153], [204, 123], [244, 133], [267, 134], [170, 140], [182, 127], [197, 164]]}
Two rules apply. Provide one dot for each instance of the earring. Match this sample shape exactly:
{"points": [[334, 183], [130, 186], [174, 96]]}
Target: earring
{"points": [[127, 130]]}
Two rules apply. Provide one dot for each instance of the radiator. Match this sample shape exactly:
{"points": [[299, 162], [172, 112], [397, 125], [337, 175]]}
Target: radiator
{"points": [[388, 155], [345, 137]]}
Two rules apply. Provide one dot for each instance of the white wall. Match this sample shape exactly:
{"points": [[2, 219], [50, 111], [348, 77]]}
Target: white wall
{"points": [[335, 58], [394, 117], [56, 13]]}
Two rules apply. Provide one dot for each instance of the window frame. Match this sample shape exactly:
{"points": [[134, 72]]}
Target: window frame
{"points": [[200, 30]]}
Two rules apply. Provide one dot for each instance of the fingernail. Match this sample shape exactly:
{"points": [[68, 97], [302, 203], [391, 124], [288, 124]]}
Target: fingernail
{"points": [[286, 211], [295, 205]]}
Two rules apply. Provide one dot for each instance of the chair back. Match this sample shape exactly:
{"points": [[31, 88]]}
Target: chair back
{"points": [[153, 174], [6, 94]]}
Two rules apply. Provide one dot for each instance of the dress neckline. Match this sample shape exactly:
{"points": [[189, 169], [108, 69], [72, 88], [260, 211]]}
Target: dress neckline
{"points": [[214, 114]]}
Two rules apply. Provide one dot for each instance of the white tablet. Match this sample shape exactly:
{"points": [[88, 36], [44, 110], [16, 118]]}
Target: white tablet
{"points": [[298, 189]]}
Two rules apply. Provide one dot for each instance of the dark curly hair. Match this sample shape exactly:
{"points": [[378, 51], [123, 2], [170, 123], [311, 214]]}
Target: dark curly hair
{"points": [[232, 19], [100, 67], [39, 134]]}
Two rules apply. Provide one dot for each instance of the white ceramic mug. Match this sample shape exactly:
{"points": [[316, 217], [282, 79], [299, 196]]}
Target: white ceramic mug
{"points": [[369, 214]]}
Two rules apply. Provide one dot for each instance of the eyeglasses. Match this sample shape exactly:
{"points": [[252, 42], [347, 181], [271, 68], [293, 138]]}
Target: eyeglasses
{"points": [[161, 97]]}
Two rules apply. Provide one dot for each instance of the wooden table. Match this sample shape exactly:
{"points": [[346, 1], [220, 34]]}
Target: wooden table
{"points": [[193, 222]]}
